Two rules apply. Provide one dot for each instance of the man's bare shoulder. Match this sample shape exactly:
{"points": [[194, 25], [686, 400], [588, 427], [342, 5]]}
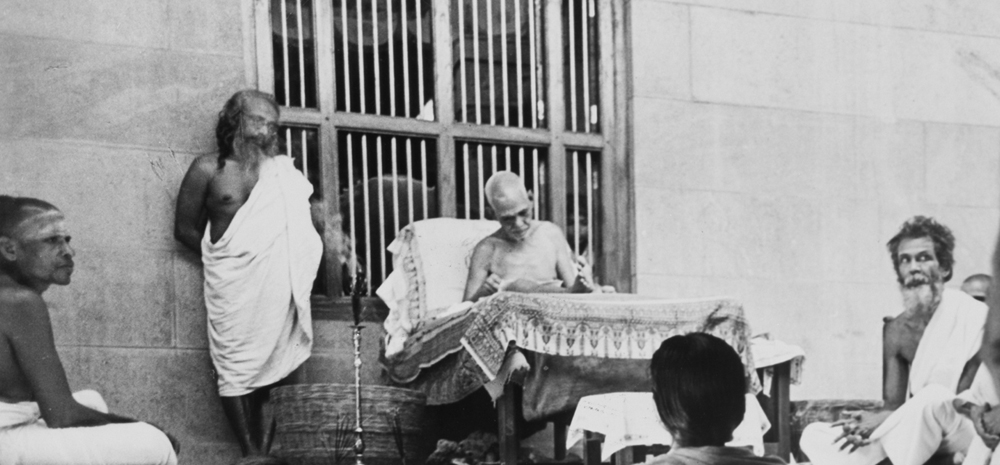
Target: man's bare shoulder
{"points": [[896, 331], [489, 242], [549, 230], [19, 306], [204, 165]]}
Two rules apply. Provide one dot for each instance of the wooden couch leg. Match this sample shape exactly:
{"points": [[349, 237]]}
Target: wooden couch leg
{"points": [[559, 431], [592, 448], [507, 416]]}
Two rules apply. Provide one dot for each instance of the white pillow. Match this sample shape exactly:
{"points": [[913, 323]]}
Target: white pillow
{"points": [[430, 261]]}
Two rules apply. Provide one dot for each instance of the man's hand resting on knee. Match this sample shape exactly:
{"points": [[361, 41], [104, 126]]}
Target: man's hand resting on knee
{"points": [[985, 419], [859, 428]]}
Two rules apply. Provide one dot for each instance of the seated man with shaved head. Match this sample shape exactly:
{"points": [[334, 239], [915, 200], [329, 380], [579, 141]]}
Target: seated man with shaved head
{"points": [[524, 255], [977, 286], [41, 421]]}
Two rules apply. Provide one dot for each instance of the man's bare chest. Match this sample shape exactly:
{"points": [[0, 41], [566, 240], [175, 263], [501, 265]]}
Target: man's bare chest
{"points": [[228, 191], [909, 339], [524, 257]]}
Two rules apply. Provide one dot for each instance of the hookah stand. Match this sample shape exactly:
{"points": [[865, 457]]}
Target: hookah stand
{"points": [[359, 436]]}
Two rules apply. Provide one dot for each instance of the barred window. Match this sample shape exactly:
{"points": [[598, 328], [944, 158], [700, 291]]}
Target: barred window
{"points": [[399, 110]]}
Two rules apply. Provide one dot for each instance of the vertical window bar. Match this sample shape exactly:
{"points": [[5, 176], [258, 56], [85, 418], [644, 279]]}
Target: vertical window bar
{"points": [[493, 153], [519, 64], [491, 62], [381, 204], [571, 38], [423, 169], [378, 68], [392, 59], [533, 58], [585, 14], [361, 66], [503, 61], [420, 66], [288, 141], [284, 50], [302, 64], [482, 181], [350, 204], [461, 62], [591, 192], [520, 162], [507, 158], [395, 186], [468, 181], [537, 194], [345, 76], [404, 23], [475, 59], [367, 206], [592, 76], [576, 202], [409, 176], [305, 154]]}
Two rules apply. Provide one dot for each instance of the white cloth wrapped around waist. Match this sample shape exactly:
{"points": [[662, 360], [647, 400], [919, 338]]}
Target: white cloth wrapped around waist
{"points": [[25, 439], [258, 280]]}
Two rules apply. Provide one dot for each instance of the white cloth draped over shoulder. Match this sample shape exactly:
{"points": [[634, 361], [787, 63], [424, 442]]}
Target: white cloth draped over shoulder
{"points": [[26, 440], [927, 422], [952, 337], [258, 279]]}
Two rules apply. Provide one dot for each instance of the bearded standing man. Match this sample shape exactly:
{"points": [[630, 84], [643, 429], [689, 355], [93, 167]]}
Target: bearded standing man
{"points": [[930, 353], [247, 213]]}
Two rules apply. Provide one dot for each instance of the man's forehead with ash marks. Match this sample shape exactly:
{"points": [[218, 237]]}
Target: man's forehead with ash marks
{"points": [[506, 193], [40, 224]]}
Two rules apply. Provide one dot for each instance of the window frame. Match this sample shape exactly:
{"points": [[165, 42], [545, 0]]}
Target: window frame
{"points": [[616, 265]]}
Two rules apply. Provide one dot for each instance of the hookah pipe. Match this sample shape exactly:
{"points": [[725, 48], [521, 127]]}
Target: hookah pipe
{"points": [[358, 289]]}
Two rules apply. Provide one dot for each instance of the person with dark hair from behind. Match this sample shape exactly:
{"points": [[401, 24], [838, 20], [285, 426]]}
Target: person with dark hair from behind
{"points": [[977, 285], [699, 388]]}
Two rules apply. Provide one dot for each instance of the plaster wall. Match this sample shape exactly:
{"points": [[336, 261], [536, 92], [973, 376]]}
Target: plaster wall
{"points": [[103, 105], [782, 144]]}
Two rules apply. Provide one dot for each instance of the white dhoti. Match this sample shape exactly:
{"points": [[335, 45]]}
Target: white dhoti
{"points": [[258, 280], [982, 392], [928, 422], [25, 439]]}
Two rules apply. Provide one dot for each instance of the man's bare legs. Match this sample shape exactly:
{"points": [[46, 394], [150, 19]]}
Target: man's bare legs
{"points": [[251, 416]]}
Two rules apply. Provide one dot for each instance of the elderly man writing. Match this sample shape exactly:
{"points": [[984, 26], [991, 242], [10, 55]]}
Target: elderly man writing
{"points": [[524, 255], [41, 421], [929, 353], [247, 213]]}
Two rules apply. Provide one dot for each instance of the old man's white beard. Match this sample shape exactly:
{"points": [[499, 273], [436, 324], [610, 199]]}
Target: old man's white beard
{"points": [[922, 297]]}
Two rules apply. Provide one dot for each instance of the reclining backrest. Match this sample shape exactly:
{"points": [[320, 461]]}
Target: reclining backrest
{"points": [[430, 266]]}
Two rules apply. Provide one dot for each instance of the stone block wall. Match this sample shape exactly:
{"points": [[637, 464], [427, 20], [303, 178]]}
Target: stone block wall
{"points": [[782, 144], [103, 105]]}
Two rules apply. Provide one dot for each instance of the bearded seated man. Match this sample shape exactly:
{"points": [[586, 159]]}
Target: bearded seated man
{"points": [[930, 354], [41, 421], [523, 255]]}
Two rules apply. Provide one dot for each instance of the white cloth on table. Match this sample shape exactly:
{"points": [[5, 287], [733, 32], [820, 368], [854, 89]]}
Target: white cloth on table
{"points": [[927, 423], [26, 440], [768, 353], [630, 419], [258, 280]]}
